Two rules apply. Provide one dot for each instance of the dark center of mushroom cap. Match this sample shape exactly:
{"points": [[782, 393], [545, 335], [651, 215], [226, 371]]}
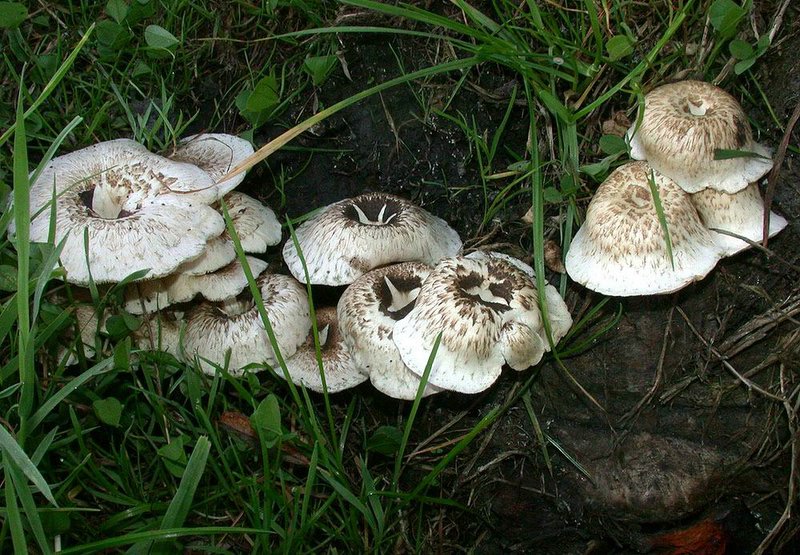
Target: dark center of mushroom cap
{"points": [[494, 293], [398, 294], [373, 210], [696, 106]]}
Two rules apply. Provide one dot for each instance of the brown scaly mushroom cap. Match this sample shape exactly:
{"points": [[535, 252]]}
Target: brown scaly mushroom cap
{"points": [[235, 326], [683, 124], [368, 311], [487, 313], [560, 318], [741, 213], [137, 209], [349, 238], [337, 361], [621, 250]]}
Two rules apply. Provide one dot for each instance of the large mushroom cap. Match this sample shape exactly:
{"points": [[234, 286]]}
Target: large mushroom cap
{"points": [[368, 311], [337, 360], [353, 236], [684, 124], [213, 330], [486, 312], [214, 153], [740, 213], [621, 249], [137, 210]]}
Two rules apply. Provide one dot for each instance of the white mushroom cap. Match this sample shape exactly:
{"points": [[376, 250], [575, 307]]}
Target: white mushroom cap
{"points": [[487, 314], [340, 369], [368, 311], [225, 283], [557, 310], [235, 326], [255, 224], [214, 153], [353, 236], [683, 124], [139, 210], [160, 331], [621, 250], [741, 213]]}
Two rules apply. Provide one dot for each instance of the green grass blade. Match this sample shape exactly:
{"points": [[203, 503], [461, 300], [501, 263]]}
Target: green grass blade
{"points": [[12, 451], [53, 83], [29, 506], [662, 220], [13, 516]]}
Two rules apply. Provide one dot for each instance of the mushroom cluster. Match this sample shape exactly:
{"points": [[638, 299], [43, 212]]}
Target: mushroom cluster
{"points": [[412, 303], [710, 203]]}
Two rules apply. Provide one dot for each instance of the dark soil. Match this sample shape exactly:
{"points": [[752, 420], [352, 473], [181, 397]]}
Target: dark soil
{"points": [[681, 442]]}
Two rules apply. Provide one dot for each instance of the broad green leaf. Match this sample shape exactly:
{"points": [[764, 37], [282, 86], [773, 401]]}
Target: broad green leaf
{"points": [[266, 420], [744, 65], [385, 441], [739, 49], [318, 67], [611, 144], [618, 47], [108, 410], [112, 35], [264, 96], [8, 278], [174, 456], [157, 37], [117, 10], [552, 195], [12, 14], [725, 16]]}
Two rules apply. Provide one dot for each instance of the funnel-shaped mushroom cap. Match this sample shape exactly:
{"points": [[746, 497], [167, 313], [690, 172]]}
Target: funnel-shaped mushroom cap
{"points": [[741, 213], [214, 153], [368, 311], [621, 249], [684, 124], [235, 326], [486, 312], [349, 238], [557, 311], [137, 210], [340, 369], [225, 283]]}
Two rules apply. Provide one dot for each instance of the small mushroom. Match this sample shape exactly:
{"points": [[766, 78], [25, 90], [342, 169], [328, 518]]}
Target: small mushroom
{"points": [[337, 360], [740, 213], [214, 153], [256, 226], [621, 248], [234, 328], [349, 238], [486, 311], [368, 311], [684, 124], [225, 283], [136, 210]]}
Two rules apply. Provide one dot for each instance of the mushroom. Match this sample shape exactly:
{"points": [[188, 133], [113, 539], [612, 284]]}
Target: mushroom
{"points": [[256, 226], [136, 211], [621, 248], [215, 329], [337, 360], [368, 311], [225, 283], [684, 123], [214, 153], [350, 237], [741, 213], [558, 313], [487, 314]]}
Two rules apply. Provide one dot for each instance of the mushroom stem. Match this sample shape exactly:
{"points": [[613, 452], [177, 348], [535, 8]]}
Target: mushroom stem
{"points": [[400, 300]]}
